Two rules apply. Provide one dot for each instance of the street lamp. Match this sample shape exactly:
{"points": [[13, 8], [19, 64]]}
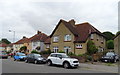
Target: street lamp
{"points": [[13, 35]]}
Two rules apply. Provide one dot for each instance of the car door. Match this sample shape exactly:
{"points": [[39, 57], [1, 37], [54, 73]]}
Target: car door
{"points": [[59, 59], [32, 58], [53, 58], [16, 56]]}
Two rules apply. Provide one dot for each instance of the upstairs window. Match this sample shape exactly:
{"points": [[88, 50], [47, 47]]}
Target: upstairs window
{"points": [[91, 37], [55, 39], [79, 46], [67, 37]]}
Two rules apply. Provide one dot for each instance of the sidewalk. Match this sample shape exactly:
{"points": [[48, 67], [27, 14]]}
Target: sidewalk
{"points": [[100, 67]]}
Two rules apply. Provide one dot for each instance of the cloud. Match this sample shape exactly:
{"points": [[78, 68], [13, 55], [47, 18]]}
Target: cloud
{"points": [[26, 17]]}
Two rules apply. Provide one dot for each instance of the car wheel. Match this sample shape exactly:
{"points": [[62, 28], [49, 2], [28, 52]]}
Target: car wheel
{"points": [[66, 65], [35, 62], [49, 63]]}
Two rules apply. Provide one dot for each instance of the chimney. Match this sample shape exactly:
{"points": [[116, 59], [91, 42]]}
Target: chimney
{"points": [[38, 32], [72, 22], [24, 37]]}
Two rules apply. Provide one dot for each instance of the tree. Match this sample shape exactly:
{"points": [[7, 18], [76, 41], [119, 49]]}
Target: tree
{"points": [[91, 48], [110, 44], [3, 40], [23, 48], [108, 35]]}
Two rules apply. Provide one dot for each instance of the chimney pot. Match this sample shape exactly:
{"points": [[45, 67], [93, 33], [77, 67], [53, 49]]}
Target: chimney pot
{"points": [[72, 22], [38, 32]]}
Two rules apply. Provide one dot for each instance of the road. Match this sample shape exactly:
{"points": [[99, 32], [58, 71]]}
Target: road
{"points": [[10, 66]]}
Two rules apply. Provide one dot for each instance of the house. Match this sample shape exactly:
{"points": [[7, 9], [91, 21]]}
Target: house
{"points": [[17, 45], [3, 46], [9, 47], [71, 37], [47, 43], [37, 41], [117, 43]]}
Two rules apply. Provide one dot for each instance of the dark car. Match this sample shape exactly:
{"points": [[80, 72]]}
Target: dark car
{"points": [[3, 55], [110, 57], [35, 58]]}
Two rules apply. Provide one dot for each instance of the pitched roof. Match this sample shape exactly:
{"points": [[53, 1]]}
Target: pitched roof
{"points": [[47, 41], [23, 40], [38, 37], [10, 45], [68, 25], [116, 36], [81, 31]]}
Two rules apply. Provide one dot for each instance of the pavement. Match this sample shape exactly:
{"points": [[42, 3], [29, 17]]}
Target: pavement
{"points": [[11, 66]]}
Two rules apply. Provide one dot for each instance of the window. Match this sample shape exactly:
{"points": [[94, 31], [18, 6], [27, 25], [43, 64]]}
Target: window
{"points": [[67, 49], [47, 46], [53, 55], [79, 46], [55, 49], [55, 39], [91, 37], [67, 37]]}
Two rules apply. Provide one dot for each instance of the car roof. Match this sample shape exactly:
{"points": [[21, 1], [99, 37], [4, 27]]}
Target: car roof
{"points": [[20, 53], [57, 53]]}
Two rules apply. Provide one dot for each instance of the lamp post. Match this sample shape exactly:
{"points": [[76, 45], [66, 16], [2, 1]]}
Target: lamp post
{"points": [[13, 35]]}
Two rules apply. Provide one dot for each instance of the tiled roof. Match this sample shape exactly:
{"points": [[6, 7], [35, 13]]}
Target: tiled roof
{"points": [[23, 40], [81, 31], [38, 36], [47, 41]]}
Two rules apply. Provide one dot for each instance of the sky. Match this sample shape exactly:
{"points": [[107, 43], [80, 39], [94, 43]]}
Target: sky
{"points": [[26, 17]]}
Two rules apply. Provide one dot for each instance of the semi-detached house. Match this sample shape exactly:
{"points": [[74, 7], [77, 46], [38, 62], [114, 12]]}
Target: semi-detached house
{"points": [[71, 37]]}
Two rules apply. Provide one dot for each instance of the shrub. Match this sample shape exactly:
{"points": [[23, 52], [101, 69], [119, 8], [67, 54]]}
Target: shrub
{"points": [[91, 48], [110, 44], [61, 51], [88, 57], [34, 51], [70, 54]]}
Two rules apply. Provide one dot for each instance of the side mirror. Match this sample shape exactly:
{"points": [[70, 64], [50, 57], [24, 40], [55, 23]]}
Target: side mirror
{"points": [[60, 57]]}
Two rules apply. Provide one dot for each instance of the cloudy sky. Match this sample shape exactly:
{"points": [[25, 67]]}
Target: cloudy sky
{"points": [[25, 17]]}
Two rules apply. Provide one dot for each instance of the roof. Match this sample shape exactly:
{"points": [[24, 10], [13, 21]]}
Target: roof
{"points": [[47, 41], [3, 45], [38, 37], [23, 40], [116, 35], [84, 30], [10, 45], [68, 25], [81, 31]]}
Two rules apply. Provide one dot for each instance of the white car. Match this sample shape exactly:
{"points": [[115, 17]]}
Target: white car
{"points": [[62, 59]]}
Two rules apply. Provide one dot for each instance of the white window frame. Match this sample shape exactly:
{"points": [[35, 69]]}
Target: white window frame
{"points": [[67, 37], [55, 49], [79, 46], [55, 38], [67, 47]]}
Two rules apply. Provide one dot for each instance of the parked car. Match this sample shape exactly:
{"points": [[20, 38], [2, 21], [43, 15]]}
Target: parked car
{"points": [[62, 59], [19, 56], [3, 55], [35, 58], [110, 57]]}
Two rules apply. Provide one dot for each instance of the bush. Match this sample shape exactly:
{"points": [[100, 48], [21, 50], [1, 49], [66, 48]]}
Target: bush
{"points": [[81, 55], [91, 48], [89, 58], [61, 51], [110, 44], [34, 51], [70, 54], [45, 52]]}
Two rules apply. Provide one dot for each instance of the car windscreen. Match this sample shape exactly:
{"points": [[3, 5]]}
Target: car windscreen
{"points": [[37, 55], [21, 54], [110, 54]]}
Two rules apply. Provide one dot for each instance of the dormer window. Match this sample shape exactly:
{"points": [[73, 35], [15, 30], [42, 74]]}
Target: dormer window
{"points": [[67, 37], [55, 39]]}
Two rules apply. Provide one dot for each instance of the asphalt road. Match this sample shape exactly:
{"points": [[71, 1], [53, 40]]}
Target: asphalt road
{"points": [[10, 66]]}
